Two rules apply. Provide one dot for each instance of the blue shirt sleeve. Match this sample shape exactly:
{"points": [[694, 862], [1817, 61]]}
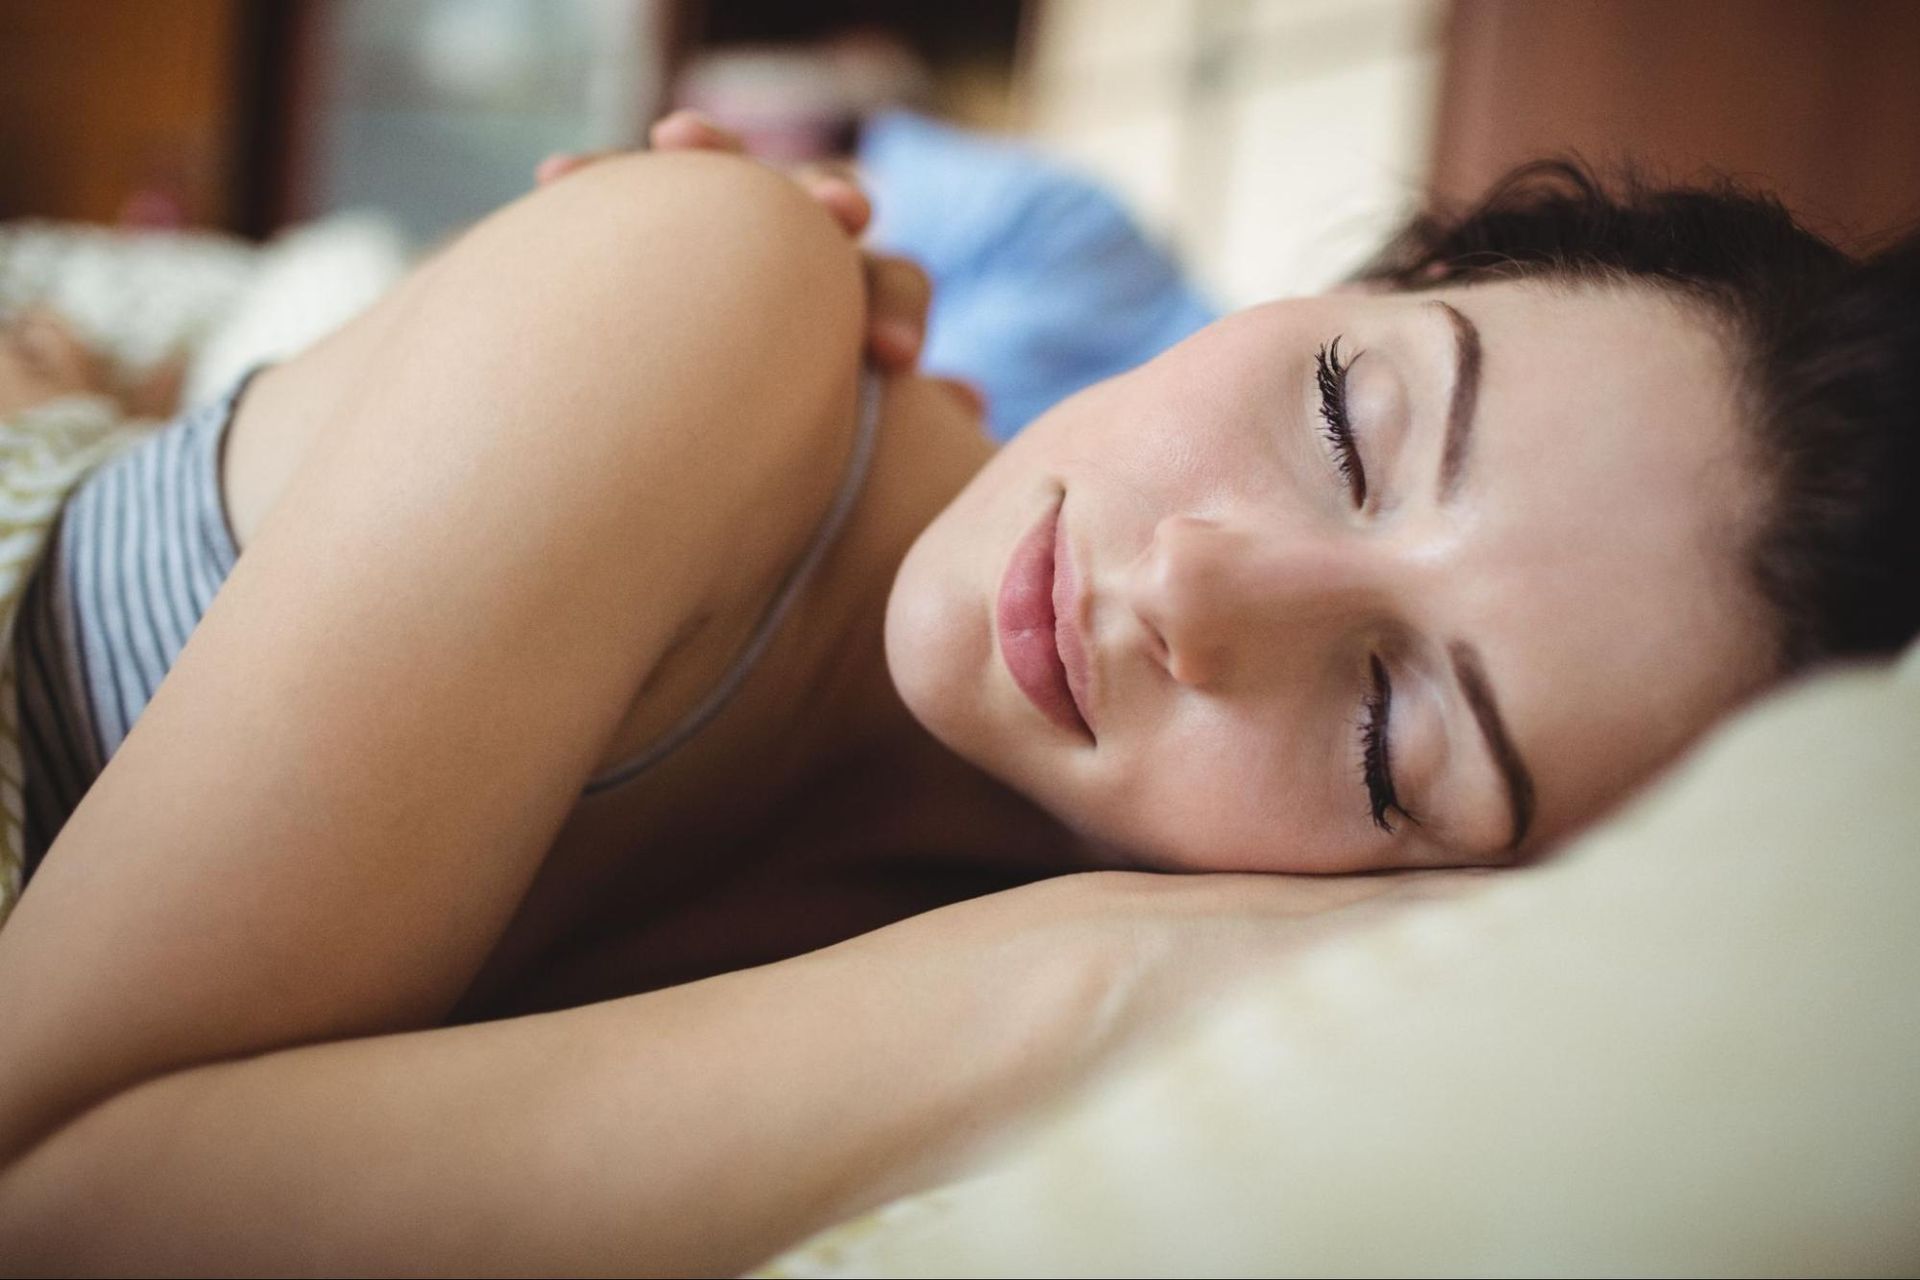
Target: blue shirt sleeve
{"points": [[1043, 283]]}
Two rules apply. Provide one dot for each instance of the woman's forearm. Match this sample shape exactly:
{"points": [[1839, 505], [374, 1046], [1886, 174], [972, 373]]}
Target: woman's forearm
{"points": [[697, 1129]]}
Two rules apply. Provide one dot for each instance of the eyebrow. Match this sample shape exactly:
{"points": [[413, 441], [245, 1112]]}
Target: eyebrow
{"points": [[1472, 675], [1467, 667], [1466, 391]]}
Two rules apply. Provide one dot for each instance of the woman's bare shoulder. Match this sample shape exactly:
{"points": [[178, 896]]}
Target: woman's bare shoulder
{"points": [[703, 284]]}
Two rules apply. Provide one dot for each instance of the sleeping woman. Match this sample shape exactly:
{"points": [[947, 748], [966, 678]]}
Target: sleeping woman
{"points": [[590, 652]]}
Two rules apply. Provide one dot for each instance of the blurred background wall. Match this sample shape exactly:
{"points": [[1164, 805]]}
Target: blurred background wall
{"points": [[101, 101], [1267, 142], [1271, 142], [1818, 100]]}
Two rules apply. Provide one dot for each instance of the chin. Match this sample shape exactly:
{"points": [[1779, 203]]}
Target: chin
{"points": [[938, 644], [945, 666]]}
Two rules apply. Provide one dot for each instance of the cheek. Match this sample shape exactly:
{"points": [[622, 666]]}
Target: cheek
{"points": [[936, 634], [1156, 436], [940, 648], [1218, 793]]}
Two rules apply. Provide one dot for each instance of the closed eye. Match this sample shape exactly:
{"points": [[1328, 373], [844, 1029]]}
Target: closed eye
{"points": [[1376, 737], [1331, 378]]}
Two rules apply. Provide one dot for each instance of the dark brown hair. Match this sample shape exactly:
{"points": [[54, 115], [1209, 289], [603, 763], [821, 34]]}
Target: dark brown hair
{"points": [[1830, 345]]}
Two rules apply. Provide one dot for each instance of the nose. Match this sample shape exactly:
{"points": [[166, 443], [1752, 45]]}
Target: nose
{"points": [[1219, 599]]}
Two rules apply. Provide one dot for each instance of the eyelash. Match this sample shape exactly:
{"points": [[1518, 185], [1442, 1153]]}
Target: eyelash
{"points": [[1376, 766], [1376, 770], [1331, 377]]}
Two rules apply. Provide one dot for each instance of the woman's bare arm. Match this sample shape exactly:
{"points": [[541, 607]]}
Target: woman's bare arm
{"points": [[688, 1131], [695, 1130], [541, 476]]}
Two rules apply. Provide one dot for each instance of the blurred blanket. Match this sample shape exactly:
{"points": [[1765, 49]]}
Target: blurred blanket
{"points": [[1043, 282]]}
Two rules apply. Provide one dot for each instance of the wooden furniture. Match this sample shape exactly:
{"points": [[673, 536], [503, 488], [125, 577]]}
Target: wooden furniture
{"points": [[117, 109], [1818, 100]]}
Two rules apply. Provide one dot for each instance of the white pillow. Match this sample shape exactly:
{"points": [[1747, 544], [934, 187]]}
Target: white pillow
{"points": [[136, 296], [140, 297], [1691, 1044], [306, 283]]}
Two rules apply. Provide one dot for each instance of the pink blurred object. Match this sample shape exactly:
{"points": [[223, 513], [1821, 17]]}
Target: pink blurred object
{"points": [[792, 103], [153, 209]]}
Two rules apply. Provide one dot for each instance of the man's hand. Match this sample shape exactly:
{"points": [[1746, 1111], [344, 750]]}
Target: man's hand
{"points": [[42, 359], [898, 291]]}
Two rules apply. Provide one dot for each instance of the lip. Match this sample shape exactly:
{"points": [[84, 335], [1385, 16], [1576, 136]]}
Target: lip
{"points": [[1067, 622], [1038, 639]]}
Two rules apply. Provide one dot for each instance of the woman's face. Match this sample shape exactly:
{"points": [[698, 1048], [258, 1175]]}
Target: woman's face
{"points": [[1351, 582]]}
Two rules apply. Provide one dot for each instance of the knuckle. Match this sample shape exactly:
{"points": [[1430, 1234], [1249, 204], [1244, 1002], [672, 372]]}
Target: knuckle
{"points": [[900, 279]]}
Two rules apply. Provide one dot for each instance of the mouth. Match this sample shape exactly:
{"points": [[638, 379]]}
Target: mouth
{"points": [[1037, 626]]}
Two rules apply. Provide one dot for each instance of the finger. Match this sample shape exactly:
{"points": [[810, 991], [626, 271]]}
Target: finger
{"points": [[968, 394], [898, 294], [50, 345], [686, 130], [843, 199], [844, 170], [156, 392], [562, 163], [558, 165]]}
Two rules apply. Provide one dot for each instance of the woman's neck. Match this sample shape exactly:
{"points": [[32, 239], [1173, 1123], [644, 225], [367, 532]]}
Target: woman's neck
{"points": [[899, 782]]}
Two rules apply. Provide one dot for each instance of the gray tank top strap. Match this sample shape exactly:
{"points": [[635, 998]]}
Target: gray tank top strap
{"points": [[763, 632]]}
